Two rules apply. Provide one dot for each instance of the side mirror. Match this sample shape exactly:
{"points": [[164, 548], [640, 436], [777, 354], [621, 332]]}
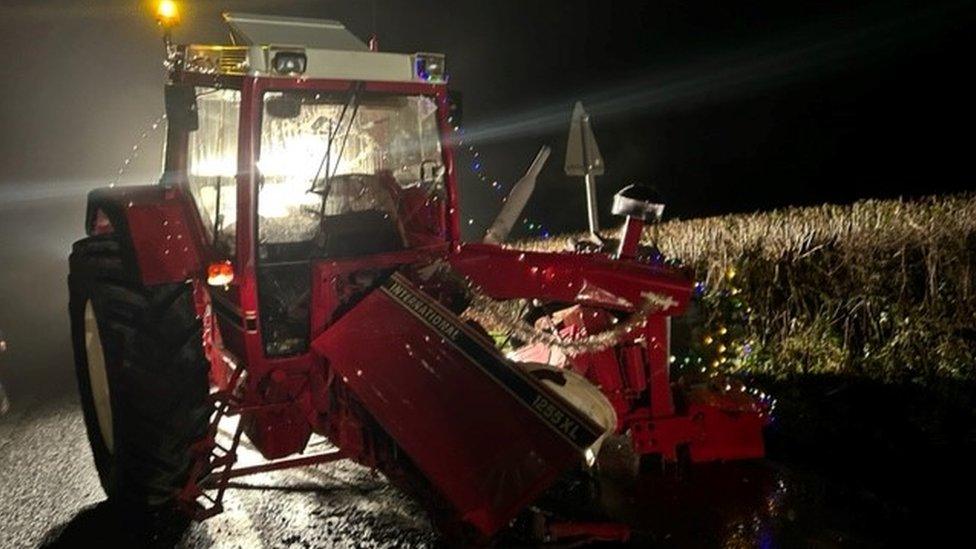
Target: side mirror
{"points": [[283, 106], [456, 110], [181, 107]]}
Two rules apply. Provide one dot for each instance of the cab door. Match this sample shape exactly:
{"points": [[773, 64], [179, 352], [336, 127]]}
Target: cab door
{"points": [[205, 152]]}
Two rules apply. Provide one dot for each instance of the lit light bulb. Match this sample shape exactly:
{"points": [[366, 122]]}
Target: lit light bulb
{"points": [[167, 13], [220, 273]]}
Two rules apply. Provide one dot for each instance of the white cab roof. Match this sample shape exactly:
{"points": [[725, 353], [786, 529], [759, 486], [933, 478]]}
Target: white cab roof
{"points": [[331, 51], [254, 30]]}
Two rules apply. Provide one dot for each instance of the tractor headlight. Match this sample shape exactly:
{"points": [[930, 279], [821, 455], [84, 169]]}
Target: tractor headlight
{"points": [[289, 62], [429, 67]]}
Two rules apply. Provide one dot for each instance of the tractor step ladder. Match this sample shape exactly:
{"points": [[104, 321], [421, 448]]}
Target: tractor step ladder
{"points": [[213, 466]]}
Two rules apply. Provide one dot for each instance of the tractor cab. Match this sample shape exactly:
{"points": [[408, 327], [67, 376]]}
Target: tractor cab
{"points": [[300, 145]]}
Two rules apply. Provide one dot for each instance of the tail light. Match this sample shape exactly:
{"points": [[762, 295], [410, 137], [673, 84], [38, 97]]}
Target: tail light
{"points": [[220, 274]]}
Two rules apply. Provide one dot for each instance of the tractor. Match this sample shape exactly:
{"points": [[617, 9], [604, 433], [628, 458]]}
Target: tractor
{"points": [[299, 270]]}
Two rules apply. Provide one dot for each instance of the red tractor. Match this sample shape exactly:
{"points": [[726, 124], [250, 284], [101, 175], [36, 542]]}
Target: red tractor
{"points": [[300, 267]]}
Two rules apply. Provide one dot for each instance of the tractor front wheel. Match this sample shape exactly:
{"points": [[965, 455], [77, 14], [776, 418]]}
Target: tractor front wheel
{"points": [[142, 375]]}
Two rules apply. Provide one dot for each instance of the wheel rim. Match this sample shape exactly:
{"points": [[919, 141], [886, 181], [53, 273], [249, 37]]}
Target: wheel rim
{"points": [[98, 376]]}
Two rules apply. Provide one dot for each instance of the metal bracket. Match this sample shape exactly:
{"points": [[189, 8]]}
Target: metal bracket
{"points": [[213, 466]]}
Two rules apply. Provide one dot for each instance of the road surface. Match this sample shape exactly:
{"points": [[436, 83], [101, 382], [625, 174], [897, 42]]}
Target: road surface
{"points": [[51, 496]]}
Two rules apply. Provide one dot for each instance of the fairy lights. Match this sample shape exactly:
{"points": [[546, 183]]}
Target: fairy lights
{"points": [[476, 165], [134, 151]]}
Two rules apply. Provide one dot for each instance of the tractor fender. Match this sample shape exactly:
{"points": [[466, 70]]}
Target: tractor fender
{"points": [[158, 226]]}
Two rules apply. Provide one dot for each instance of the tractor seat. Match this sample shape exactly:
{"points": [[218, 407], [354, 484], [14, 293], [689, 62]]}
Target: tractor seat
{"points": [[360, 233]]}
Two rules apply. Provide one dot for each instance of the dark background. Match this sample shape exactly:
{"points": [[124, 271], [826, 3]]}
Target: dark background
{"points": [[724, 106]]}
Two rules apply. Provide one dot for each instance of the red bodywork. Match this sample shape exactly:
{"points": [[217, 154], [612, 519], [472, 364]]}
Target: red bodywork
{"points": [[443, 392], [634, 375], [487, 441]]}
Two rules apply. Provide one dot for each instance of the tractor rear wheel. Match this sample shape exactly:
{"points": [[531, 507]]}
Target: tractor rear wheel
{"points": [[142, 375]]}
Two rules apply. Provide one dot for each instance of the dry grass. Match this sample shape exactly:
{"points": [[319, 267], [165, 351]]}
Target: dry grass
{"points": [[883, 288]]}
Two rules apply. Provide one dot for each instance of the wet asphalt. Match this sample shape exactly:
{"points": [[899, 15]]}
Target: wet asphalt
{"points": [[51, 497]]}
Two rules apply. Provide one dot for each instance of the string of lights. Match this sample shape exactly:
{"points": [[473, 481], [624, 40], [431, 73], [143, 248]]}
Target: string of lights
{"points": [[725, 344], [134, 151], [726, 351], [507, 317], [477, 167]]}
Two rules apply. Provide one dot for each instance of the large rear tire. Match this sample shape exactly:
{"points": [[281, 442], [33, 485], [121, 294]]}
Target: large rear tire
{"points": [[142, 375]]}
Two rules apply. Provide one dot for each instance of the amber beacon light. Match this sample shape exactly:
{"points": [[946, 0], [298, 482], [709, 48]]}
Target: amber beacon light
{"points": [[220, 273], [167, 13]]}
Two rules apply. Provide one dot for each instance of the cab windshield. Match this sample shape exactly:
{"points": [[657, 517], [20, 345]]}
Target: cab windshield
{"points": [[348, 173]]}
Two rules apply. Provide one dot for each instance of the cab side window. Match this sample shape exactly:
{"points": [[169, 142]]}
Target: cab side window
{"points": [[212, 164]]}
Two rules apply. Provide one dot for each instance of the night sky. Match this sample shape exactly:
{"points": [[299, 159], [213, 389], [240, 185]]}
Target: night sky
{"points": [[724, 106]]}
